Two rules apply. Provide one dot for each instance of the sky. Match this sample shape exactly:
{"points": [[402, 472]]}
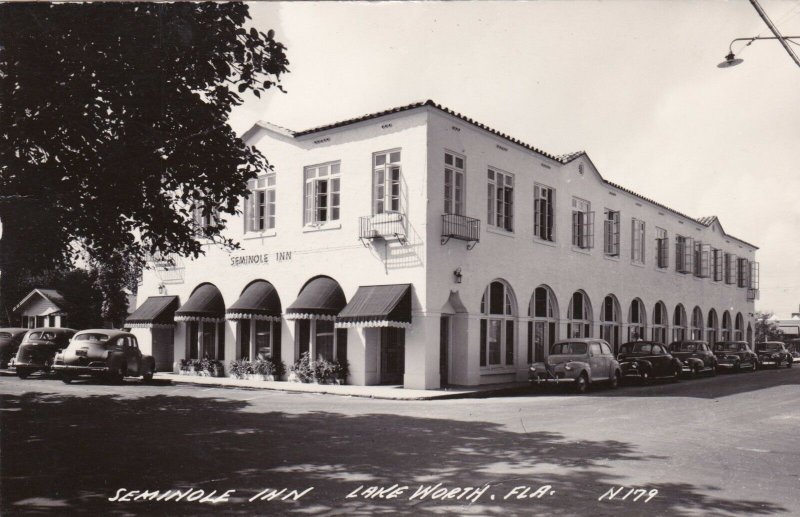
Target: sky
{"points": [[633, 83]]}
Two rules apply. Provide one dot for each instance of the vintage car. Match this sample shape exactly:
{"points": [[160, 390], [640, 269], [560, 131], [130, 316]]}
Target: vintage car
{"points": [[773, 353], [735, 355], [10, 339], [793, 346], [578, 361], [112, 354], [648, 360], [696, 357], [38, 348]]}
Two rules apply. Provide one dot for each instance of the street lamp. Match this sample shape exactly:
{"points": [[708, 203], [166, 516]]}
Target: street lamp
{"points": [[732, 60]]}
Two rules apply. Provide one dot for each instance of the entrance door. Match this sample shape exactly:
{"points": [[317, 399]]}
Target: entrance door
{"points": [[393, 355], [444, 350], [163, 347]]}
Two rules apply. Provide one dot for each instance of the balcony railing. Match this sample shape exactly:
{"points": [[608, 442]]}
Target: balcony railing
{"points": [[462, 228], [386, 226]]}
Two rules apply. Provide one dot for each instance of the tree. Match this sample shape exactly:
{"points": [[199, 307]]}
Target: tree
{"points": [[115, 133], [767, 329]]}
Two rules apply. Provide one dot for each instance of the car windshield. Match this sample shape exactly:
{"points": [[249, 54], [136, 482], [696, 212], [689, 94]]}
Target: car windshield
{"points": [[636, 348], [42, 336], [568, 348], [727, 347], [683, 347], [91, 337]]}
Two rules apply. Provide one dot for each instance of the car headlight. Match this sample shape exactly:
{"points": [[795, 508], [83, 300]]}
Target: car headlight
{"points": [[634, 365], [568, 367], [775, 356]]}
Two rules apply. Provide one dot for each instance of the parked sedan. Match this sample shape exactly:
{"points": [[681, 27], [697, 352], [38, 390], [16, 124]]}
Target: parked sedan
{"points": [[773, 353], [580, 362], [113, 354], [793, 346], [735, 355], [10, 340], [38, 348], [647, 360], [696, 357]]}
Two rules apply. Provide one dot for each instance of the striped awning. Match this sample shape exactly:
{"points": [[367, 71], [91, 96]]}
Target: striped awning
{"points": [[205, 304], [258, 301], [378, 306], [156, 311], [321, 298]]}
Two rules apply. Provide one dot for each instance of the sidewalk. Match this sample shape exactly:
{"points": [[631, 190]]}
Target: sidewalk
{"points": [[376, 392]]}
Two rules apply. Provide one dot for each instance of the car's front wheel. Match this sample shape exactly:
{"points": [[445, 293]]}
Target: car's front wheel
{"points": [[118, 375], [23, 373], [148, 375], [581, 383], [67, 378]]}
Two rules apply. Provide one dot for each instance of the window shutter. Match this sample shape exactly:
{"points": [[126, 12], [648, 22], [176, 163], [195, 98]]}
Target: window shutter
{"points": [[341, 345], [549, 214], [537, 214], [689, 250], [589, 236], [576, 229]]}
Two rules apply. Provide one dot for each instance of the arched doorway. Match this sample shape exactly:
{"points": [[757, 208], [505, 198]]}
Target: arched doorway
{"points": [[660, 323], [711, 327], [498, 310], [697, 324], [679, 323], [637, 321], [611, 322], [579, 316], [739, 329], [727, 326], [542, 331]]}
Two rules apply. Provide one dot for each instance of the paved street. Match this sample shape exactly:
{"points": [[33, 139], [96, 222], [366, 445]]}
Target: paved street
{"points": [[712, 446]]}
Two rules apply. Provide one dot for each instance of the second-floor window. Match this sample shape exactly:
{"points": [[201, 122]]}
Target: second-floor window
{"points": [[702, 257], [501, 199], [204, 218], [717, 264], [543, 210], [662, 248], [611, 233], [730, 268], [453, 184], [322, 191], [582, 224], [684, 254], [386, 186], [637, 241], [743, 275], [259, 209]]}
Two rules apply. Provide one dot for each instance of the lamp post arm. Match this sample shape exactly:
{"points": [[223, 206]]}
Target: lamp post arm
{"points": [[754, 38], [775, 31]]}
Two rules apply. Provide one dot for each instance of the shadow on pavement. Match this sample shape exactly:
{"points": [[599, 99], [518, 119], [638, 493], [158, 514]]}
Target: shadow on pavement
{"points": [[68, 454]]}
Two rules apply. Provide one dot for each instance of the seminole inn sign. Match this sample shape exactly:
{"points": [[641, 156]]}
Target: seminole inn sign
{"points": [[260, 258]]}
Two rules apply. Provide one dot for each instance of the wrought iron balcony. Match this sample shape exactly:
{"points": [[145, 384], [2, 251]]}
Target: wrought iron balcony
{"points": [[462, 228], [386, 226]]}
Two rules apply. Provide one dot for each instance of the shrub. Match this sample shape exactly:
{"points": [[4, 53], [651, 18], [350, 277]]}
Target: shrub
{"points": [[321, 370]]}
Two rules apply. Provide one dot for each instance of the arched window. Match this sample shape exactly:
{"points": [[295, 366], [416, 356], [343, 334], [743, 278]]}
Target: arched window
{"points": [[660, 320], [697, 323], [497, 325], [579, 316], [739, 334], [258, 316], [711, 328], [679, 323], [727, 328], [543, 329], [637, 321], [610, 322], [204, 314]]}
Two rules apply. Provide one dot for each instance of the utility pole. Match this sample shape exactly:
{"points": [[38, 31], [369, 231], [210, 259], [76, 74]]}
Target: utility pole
{"points": [[775, 31]]}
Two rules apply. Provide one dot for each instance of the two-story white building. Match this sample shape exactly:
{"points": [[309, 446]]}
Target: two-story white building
{"points": [[426, 249]]}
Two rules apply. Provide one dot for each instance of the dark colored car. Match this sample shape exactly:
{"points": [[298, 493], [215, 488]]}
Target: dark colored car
{"points": [[735, 355], [647, 360], [38, 348], [10, 340], [580, 362], [695, 356], [113, 354], [773, 353]]}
